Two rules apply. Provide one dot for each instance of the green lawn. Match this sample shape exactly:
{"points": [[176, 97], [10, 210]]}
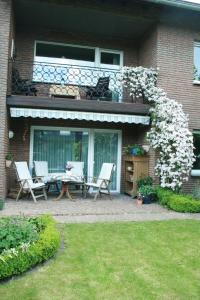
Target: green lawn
{"points": [[148, 260]]}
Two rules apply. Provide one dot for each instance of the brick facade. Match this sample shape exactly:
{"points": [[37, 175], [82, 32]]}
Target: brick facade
{"points": [[168, 47], [5, 36]]}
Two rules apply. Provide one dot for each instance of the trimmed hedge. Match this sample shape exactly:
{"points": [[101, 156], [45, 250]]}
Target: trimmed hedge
{"points": [[177, 202], [40, 251]]}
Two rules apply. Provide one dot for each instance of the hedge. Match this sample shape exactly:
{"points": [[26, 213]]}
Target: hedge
{"points": [[178, 202], [40, 251]]}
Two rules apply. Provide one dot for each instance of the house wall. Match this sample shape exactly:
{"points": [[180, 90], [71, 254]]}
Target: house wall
{"points": [[5, 35], [20, 144], [175, 63]]}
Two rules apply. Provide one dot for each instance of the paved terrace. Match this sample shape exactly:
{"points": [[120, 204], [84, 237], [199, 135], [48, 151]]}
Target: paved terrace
{"points": [[121, 208]]}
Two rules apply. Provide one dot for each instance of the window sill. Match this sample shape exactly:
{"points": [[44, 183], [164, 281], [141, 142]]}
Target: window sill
{"points": [[196, 82], [195, 173]]}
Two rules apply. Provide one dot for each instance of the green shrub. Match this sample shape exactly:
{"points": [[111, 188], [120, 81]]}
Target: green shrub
{"points": [[146, 190], [178, 202], [184, 204], [144, 181], [16, 230], [23, 258]]}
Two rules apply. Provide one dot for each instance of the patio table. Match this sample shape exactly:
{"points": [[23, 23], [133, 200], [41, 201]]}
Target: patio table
{"points": [[66, 181]]}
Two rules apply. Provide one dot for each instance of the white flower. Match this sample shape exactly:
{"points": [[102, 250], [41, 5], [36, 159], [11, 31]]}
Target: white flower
{"points": [[169, 133]]}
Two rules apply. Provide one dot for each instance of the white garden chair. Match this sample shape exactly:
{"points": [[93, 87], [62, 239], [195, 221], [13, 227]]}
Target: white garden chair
{"points": [[77, 173], [26, 181], [103, 181], [42, 171], [77, 170]]}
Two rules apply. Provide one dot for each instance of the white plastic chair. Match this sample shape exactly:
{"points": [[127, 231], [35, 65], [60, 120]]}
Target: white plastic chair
{"points": [[42, 171], [103, 182], [26, 181]]}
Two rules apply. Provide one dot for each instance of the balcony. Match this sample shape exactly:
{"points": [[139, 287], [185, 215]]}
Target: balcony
{"points": [[53, 80], [65, 87]]}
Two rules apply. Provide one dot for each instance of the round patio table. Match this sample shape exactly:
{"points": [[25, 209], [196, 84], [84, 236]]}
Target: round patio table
{"points": [[65, 186]]}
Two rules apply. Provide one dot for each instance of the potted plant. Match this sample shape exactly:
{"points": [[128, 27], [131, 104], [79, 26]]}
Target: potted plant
{"points": [[148, 180], [147, 193], [2, 203], [9, 160], [135, 150]]}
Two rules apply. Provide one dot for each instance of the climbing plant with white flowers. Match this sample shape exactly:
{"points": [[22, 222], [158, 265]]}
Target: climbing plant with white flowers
{"points": [[169, 133]]}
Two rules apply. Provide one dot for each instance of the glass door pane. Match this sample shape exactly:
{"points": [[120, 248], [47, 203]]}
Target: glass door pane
{"points": [[59, 146], [106, 151]]}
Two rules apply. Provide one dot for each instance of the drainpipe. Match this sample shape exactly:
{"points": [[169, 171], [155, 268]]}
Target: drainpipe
{"points": [[178, 3]]}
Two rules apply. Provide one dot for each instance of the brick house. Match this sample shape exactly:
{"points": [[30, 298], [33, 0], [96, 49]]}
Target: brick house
{"points": [[52, 55]]}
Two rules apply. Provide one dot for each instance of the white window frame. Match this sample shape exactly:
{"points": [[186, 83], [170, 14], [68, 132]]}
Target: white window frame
{"points": [[97, 56], [91, 133], [195, 172], [196, 44]]}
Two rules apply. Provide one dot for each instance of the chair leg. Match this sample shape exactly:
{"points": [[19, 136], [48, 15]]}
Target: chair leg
{"points": [[86, 191], [56, 184], [108, 189], [33, 196], [18, 195], [45, 194], [96, 195]]}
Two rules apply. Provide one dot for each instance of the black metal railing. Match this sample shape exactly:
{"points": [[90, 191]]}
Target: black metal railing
{"points": [[66, 81]]}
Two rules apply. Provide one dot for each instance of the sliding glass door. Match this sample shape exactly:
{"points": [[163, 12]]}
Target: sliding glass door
{"points": [[92, 146]]}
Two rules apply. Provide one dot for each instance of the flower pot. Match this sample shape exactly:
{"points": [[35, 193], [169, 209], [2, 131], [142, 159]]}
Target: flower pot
{"points": [[147, 199], [139, 201], [8, 163], [2, 203]]}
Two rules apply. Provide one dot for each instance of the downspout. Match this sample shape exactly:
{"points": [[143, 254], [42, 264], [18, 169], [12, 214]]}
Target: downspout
{"points": [[178, 3]]}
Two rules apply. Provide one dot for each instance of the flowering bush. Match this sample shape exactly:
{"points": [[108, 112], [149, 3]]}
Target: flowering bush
{"points": [[169, 133]]}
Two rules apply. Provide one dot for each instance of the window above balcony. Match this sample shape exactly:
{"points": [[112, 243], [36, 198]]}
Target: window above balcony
{"points": [[50, 52]]}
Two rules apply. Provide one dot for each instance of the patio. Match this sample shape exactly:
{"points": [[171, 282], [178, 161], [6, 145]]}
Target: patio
{"points": [[121, 208]]}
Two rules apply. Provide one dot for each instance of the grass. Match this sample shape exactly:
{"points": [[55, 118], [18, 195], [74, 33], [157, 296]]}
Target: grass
{"points": [[143, 260]]}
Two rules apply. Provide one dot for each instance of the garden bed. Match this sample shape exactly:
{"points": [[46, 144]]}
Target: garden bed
{"points": [[25, 242], [178, 202]]}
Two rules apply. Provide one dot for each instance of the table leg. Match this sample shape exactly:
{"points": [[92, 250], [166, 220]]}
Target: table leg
{"points": [[68, 193], [61, 193], [64, 190]]}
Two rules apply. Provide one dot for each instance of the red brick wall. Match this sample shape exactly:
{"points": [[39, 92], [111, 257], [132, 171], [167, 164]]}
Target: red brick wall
{"points": [[5, 27]]}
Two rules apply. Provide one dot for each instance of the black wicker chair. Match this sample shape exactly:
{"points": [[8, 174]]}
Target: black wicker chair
{"points": [[100, 91], [22, 86]]}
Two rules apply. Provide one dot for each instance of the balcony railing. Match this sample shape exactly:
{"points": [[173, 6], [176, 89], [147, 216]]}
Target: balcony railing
{"points": [[66, 81]]}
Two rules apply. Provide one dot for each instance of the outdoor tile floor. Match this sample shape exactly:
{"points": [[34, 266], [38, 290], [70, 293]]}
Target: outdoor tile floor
{"points": [[121, 208]]}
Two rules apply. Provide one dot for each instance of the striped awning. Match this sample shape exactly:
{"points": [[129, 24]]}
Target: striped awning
{"points": [[16, 112]]}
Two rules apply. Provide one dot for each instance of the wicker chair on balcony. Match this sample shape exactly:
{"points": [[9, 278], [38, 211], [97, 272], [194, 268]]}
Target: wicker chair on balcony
{"points": [[100, 91], [22, 86]]}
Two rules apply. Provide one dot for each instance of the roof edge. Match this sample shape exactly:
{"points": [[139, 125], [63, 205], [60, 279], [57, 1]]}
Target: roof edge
{"points": [[178, 3]]}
